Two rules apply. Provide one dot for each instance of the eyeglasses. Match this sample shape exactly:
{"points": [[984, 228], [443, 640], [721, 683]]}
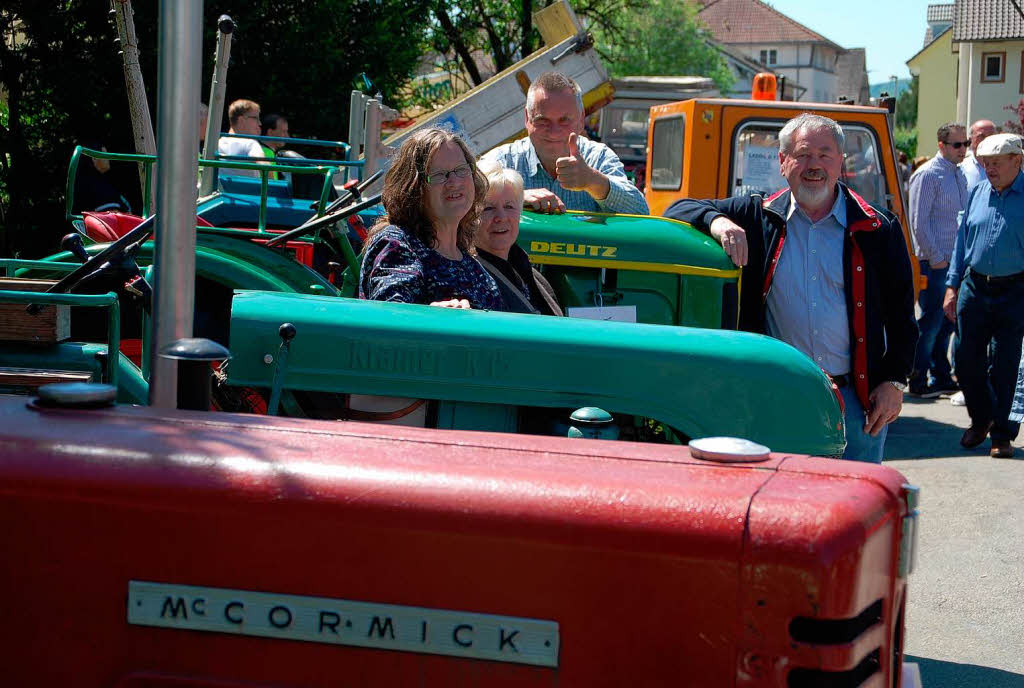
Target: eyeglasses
{"points": [[462, 171], [255, 117], [957, 144]]}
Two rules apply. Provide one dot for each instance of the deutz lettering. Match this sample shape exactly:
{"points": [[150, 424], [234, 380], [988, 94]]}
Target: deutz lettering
{"points": [[562, 249]]}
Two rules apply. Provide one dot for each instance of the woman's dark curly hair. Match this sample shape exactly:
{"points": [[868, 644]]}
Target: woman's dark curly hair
{"points": [[406, 181]]}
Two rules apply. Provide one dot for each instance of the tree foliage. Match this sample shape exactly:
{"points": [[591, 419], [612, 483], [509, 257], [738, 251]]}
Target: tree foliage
{"points": [[478, 34], [662, 38], [906, 106], [65, 83], [906, 141]]}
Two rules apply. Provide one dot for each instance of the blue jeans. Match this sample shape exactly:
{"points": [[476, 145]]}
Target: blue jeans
{"points": [[990, 313], [936, 329], [860, 446]]}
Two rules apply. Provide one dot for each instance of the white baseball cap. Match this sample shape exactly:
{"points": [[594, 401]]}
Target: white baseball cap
{"points": [[1000, 144]]}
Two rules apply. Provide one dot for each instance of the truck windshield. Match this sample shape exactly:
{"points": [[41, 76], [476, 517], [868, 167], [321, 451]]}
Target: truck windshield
{"points": [[755, 162], [624, 130]]}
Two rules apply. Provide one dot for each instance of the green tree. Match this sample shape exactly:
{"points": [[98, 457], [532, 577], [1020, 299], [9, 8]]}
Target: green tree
{"points": [[906, 141], [663, 38], [906, 106], [64, 83], [475, 32]]}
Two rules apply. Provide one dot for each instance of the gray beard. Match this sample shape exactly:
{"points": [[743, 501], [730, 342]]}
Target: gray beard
{"points": [[806, 196]]}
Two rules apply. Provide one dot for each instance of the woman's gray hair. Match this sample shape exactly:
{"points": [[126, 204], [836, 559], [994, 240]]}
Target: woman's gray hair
{"points": [[809, 122], [498, 176]]}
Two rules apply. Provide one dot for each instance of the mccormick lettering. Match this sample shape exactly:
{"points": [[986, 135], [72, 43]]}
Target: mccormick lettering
{"points": [[344, 622], [561, 249]]}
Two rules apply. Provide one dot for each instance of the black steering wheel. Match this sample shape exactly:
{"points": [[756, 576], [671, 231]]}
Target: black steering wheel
{"points": [[120, 254]]}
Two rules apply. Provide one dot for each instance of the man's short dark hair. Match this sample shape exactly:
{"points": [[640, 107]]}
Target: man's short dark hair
{"points": [[553, 82], [272, 121], [948, 128]]}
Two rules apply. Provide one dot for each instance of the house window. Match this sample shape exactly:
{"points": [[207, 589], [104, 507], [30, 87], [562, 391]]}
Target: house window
{"points": [[993, 67], [1022, 72], [769, 57]]}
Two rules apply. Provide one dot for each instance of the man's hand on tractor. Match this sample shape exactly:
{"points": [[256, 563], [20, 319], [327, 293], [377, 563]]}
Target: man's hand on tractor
{"points": [[732, 237]]}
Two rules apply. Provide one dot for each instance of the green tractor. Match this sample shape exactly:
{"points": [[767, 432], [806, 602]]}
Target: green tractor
{"points": [[281, 302]]}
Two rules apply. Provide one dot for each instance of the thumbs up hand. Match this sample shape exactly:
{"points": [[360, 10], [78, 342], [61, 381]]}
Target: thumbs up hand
{"points": [[572, 171]]}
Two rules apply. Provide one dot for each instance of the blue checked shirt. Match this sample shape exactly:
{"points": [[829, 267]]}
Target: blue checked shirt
{"points": [[938, 192], [623, 196], [806, 306], [991, 235], [973, 171]]}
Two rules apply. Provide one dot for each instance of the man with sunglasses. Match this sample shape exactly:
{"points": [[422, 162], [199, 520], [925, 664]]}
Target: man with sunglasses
{"points": [[562, 169], [938, 194]]}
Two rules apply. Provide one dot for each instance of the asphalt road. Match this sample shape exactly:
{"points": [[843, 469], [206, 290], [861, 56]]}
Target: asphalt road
{"points": [[965, 616]]}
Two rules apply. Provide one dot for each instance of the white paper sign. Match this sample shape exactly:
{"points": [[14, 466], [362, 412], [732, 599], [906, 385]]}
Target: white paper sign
{"points": [[617, 313], [761, 169]]}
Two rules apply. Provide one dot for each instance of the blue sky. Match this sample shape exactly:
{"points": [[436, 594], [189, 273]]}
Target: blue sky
{"points": [[891, 31]]}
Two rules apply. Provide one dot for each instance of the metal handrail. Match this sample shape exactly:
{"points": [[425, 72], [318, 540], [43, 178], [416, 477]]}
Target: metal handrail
{"points": [[264, 169], [285, 139]]}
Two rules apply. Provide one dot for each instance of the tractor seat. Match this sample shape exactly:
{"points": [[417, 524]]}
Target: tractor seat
{"points": [[104, 228]]}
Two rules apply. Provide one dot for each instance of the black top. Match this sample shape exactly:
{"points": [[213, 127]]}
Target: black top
{"points": [[519, 272]]}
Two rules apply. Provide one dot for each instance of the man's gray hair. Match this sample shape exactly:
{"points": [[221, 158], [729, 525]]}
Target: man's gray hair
{"points": [[807, 121], [553, 82]]}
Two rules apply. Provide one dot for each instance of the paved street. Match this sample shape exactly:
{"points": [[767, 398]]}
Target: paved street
{"points": [[965, 618]]}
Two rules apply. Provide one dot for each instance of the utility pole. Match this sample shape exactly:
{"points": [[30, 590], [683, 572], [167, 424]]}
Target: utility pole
{"points": [[895, 94]]}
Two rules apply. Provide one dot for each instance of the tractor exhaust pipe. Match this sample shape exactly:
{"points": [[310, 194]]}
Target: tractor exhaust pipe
{"points": [[181, 39]]}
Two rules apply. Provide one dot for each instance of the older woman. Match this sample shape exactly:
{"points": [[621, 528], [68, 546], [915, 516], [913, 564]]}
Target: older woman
{"points": [[523, 289], [421, 251]]}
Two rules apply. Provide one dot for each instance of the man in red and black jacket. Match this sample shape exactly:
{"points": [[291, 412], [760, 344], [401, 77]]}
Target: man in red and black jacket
{"points": [[825, 272]]}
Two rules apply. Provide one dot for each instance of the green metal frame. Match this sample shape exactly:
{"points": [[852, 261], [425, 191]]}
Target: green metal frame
{"points": [[108, 301], [263, 168]]}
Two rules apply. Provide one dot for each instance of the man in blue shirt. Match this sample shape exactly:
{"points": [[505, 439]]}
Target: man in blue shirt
{"points": [[938, 193], [973, 170], [562, 169], [825, 272], [985, 294]]}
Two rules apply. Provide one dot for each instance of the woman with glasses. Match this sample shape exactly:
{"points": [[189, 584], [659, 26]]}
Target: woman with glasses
{"points": [[420, 252], [523, 289]]}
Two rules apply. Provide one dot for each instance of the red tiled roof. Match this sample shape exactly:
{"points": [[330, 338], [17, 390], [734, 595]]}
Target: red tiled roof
{"points": [[752, 21], [986, 20]]}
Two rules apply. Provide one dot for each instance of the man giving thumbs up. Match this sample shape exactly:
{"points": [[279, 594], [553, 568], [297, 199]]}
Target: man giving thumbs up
{"points": [[562, 169]]}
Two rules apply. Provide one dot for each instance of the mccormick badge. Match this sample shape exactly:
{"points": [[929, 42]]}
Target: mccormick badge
{"points": [[344, 622]]}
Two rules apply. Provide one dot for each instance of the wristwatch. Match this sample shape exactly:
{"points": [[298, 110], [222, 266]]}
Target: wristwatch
{"points": [[901, 386]]}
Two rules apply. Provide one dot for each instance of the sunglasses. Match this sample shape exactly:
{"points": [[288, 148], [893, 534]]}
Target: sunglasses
{"points": [[957, 144]]}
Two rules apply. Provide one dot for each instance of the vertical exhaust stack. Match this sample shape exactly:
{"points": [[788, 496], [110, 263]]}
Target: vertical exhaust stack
{"points": [[218, 92], [179, 81]]}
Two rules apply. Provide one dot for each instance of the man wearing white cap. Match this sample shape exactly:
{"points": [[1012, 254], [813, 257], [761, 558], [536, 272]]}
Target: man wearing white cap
{"points": [[985, 293]]}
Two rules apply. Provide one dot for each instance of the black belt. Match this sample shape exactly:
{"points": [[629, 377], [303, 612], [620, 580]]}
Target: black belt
{"points": [[840, 380], [997, 279]]}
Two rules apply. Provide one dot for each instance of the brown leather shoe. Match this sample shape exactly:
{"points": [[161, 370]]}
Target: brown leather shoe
{"points": [[975, 435], [1002, 449]]}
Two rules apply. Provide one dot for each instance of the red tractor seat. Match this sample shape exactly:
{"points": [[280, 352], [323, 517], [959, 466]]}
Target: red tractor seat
{"points": [[107, 227]]}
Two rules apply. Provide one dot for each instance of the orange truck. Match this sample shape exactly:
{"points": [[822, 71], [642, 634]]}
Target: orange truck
{"points": [[718, 147]]}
